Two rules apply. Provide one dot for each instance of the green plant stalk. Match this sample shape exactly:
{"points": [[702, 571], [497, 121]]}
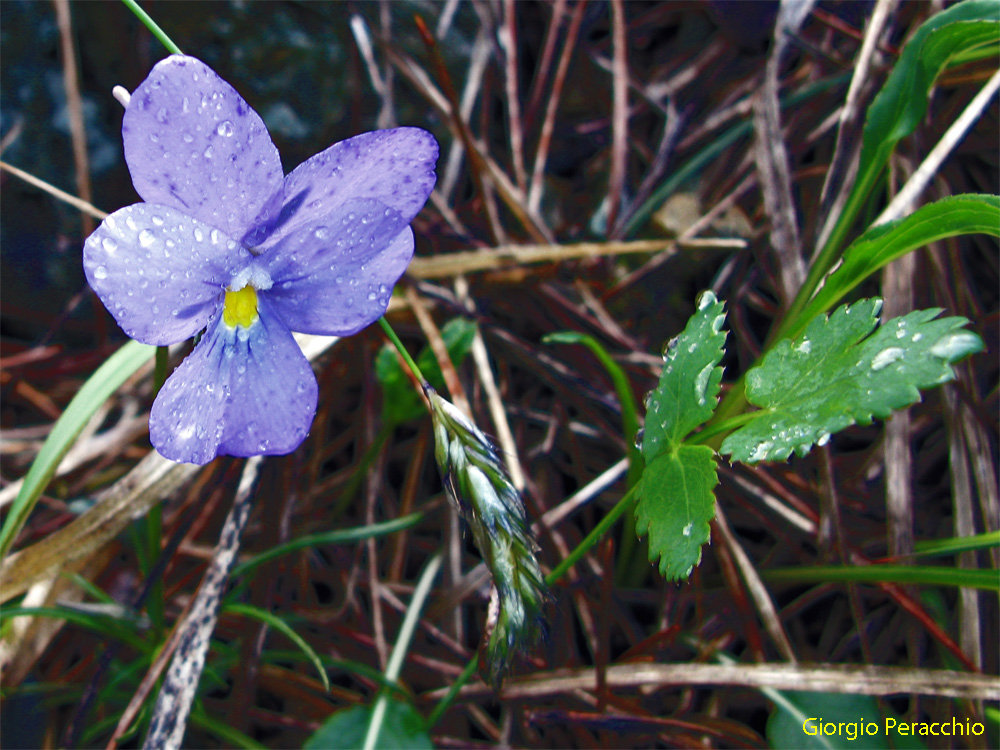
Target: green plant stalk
{"points": [[632, 554], [154, 28], [156, 604], [558, 572], [398, 656], [402, 350]]}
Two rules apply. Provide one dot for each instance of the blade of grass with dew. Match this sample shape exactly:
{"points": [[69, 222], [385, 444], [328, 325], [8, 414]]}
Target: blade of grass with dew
{"points": [[118, 368]]}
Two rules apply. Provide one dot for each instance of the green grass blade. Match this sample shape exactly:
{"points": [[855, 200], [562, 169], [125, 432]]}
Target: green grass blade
{"points": [[953, 546], [119, 367], [879, 246], [340, 536], [899, 108], [987, 580], [273, 621]]}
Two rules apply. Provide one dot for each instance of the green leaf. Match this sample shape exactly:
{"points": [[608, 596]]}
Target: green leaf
{"points": [[403, 728], [689, 383], [118, 368], [400, 402], [674, 500], [949, 217], [837, 375], [675, 504], [902, 102]]}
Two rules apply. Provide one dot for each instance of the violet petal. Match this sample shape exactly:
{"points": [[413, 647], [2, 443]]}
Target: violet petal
{"points": [[394, 166], [334, 276], [192, 142], [161, 274], [241, 392], [273, 403]]}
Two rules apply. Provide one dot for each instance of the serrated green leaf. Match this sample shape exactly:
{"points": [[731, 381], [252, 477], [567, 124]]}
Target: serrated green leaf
{"points": [[837, 375], [403, 728], [400, 402], [674, 506], [949, 217], [689, 383]]}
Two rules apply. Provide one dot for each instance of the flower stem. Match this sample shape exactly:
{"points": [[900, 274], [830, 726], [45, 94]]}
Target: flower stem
{"points": [[150, 24], [402, 351]]}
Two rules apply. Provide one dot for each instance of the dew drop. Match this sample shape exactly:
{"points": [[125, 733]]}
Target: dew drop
{"points": [[638, 437], [208, 153], [886, 357], [701, 384], [109, 245], [320, 232], [199, 236], [161, 115], [186, 105], [188, 138], [688, 528], [100, 272], [158, 220], [955, 345], [224, 128], [146, 238], [671, 348], [706, 299]]}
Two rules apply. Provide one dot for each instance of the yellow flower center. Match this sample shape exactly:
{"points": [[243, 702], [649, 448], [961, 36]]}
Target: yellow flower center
{"points": [[240, 308]]}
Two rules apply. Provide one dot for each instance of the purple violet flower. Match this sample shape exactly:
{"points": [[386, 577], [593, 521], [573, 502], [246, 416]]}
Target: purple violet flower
{"points": [[225, 242]]}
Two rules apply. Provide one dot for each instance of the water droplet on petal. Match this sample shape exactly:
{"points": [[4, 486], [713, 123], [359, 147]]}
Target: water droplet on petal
{"points": [[109, 245], [199, 236], [100, 272], [161, 115], [224, 128], [320, 232], [208, 153], [146, 238]]}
